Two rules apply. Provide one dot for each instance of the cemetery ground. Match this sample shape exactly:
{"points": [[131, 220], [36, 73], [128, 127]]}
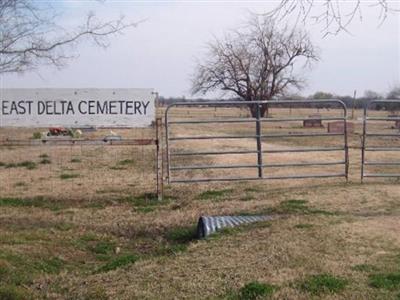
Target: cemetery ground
{"points": [[82, 223]]}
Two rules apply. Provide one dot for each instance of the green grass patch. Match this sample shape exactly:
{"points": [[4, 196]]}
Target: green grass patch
{"points": [[387, 281], [364, 268], [181, 235], [38, 201], [29, 165], [256, 290], [146, 200], [102, 247], [145, 209], [89, 237], [96, 293], [45, 161], [118, 262], [214, 195], [247, 198], [11, 292], [19, 269], [117, 168], [252, 190], [69, 176], [303, 226], [37, 135], [2, 164], [323, 284], [76, 160], [177, 240], [126, 162], [62, 226], [44, 155], [294, 205], [50, 265]]}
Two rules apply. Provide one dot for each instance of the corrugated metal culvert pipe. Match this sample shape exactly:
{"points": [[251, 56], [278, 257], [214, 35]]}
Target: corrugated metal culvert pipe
{"points": [[210, 224]]}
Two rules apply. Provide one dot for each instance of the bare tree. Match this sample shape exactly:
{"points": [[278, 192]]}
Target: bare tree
{"points": [[372, 95], [394, 93], [29, 36], [256, 62], [334, 15]]}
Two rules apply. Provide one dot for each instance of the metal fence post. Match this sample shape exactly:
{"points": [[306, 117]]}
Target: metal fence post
{"points": [[346, 144], [159, 176], [363, 142], [259, 145]]}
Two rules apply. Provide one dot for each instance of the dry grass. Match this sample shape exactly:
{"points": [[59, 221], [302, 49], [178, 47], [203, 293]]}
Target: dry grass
{"points": [[100, 235]]}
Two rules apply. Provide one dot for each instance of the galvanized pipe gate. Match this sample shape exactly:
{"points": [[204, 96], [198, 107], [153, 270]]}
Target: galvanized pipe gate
{"points": [[376, 135], [258, 136]]}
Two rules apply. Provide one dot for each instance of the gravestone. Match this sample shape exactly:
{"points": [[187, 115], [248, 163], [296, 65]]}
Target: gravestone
{"points": [[313, 121], [396, 122], [338, 127]]}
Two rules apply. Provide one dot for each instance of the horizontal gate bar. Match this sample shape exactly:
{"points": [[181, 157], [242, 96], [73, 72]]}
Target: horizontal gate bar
{"points": [[377, 163], [213, 167], [213, 179], [258, 178], [214, 121], [199, 167], [307, 176], [305, 164], [381, 149], [301, 119], [382, 119], [300, 135], [304, 150], [213, 137], [381, 175], [383, 134], [213, 153], [252, 120]]}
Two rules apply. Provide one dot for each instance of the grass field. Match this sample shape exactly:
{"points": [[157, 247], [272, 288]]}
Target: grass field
{"points": [[82, 223]]}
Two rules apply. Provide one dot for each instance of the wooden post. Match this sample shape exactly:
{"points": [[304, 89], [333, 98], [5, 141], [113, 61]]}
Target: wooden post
{"points": [[354, 104]]}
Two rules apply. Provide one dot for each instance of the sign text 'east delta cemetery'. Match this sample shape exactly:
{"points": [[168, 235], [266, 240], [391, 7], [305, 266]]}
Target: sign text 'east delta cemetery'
{"points": [[76, 107]]}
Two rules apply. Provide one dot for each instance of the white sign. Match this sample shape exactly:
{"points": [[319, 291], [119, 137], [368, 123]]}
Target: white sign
{"points": [[77, 107]]}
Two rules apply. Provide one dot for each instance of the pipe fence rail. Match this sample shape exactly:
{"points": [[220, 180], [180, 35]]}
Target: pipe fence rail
{"points": [[386, 105], [259, 137], [101, 164]]}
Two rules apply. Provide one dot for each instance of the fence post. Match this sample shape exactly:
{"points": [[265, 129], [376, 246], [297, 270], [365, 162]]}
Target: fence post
{"points": [[159, 171], [259, 145]]}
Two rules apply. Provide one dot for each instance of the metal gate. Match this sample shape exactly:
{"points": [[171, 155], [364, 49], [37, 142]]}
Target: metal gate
{"points": [[384, 134], [257, 138]]}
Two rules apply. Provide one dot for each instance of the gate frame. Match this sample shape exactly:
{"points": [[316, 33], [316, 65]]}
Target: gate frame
{"points": [[365, 149], [258, 136]]}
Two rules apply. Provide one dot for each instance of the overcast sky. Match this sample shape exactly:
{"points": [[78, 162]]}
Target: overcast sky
{"points": [[160, 53]]}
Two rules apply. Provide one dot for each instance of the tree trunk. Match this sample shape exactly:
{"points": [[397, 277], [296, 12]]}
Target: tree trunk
{"points": [[263, 110], [253, 110]]}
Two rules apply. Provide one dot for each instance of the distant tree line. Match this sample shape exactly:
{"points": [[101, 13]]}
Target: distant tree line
{"points": [[359, 102]]}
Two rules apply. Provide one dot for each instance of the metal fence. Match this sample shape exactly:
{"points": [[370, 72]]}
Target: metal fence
{"points": [[258, 138], [380, 136], [101, 164]]}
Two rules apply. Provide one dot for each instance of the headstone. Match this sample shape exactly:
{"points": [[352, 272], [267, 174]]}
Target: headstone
{"points": [[396, 122], [313, 121], [338, 127]]}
